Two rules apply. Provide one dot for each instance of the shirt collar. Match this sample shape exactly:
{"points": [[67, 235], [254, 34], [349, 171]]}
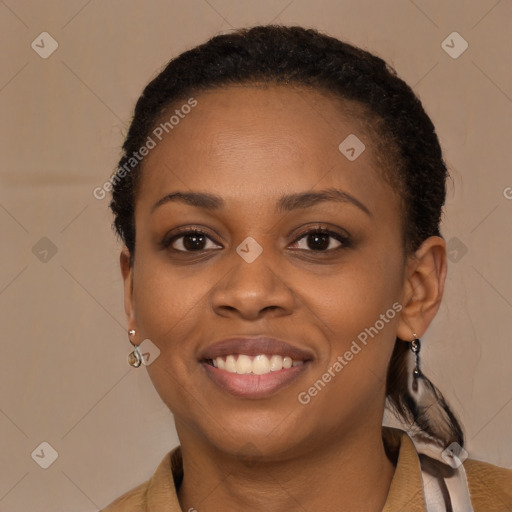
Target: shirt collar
{"points": [[405, 492]]}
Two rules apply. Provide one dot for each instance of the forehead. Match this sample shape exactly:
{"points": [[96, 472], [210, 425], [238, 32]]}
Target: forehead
{"points": [[253, 142]]}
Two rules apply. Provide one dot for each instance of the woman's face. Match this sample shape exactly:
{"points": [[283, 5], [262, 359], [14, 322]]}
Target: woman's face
{"points": [[255, 271]]}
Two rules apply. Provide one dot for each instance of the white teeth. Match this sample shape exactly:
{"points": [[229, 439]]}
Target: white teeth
{"points": [[243, 364], [258, 365], [230, 364], [276, 363]]}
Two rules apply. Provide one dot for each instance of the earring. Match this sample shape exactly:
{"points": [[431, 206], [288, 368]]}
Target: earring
{"points": [[134, 357], [415, 347], [431, 416]]}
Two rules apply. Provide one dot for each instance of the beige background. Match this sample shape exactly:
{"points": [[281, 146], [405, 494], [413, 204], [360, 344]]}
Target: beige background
{"points": [[64, 377]]}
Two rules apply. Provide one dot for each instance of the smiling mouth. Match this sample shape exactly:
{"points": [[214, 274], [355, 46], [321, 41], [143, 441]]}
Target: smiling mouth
{"points": [[254, 367], [262, 364], [254, 377]]}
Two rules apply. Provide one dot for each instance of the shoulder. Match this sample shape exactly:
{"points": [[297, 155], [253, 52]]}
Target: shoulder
{"points": [[490, 486], [132, 501], [157, 493]]}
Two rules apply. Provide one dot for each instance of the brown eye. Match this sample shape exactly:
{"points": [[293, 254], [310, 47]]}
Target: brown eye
{"points": [[190, 241], [321, 240]]}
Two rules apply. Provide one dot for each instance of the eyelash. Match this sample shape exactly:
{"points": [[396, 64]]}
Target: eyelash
{"points": [[344, 240]]}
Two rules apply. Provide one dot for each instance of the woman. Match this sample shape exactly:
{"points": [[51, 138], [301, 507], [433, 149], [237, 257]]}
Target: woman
{"points": [[279, 199]]}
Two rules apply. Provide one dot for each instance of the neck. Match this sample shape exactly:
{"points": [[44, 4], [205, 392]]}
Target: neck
{"points": [[350, 473]]}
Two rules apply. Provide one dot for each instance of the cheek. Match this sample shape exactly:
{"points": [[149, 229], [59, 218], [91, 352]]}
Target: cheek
{"points": [[361, 308], [355, 297], [168, 308], [165, 300]]}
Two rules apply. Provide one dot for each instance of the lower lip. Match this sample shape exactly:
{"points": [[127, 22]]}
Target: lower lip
{"points": [[254, 386]]}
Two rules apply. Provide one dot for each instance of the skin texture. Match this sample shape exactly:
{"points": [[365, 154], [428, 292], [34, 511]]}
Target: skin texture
{"points": [[251, 145]]}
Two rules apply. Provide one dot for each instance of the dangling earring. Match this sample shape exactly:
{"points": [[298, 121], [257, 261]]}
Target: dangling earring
{"points": [[416, 373], [430, 413], [134, 357]]}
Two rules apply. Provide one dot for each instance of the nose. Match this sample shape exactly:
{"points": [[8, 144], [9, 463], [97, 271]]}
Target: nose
{"points": [[252, 290]]}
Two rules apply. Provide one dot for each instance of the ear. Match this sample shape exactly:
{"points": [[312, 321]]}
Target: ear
{"points": [[127, 272], [423, 288]]}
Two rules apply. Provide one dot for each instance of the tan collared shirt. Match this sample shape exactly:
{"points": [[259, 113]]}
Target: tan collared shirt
{"points": [[490, 486]]}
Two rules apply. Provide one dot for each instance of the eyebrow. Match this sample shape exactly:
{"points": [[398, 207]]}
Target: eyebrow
{"points": [[285, 203]]}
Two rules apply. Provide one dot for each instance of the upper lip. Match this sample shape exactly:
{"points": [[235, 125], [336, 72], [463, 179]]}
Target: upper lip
{"points": [[253, 346]]}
